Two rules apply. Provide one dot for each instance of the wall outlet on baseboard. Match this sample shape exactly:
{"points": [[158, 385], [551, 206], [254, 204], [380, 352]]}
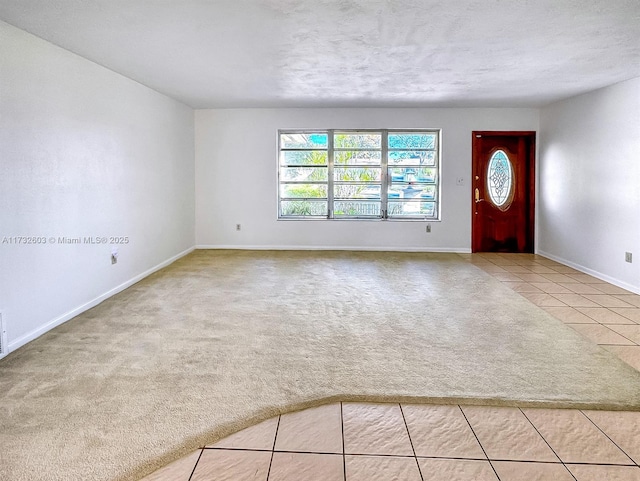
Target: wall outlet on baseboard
{"points": [[628, 257]]}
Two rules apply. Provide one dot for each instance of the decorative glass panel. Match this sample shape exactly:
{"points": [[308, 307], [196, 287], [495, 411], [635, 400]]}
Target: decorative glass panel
{"points": [[500, 180]]}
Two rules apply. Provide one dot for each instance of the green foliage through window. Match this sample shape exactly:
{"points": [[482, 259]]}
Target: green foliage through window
{"points": [[379, 174]]}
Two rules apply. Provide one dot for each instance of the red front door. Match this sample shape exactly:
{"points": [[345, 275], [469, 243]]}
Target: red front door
{"points": [[503, 191]]}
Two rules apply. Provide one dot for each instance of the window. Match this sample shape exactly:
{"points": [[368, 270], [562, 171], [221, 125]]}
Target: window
{"points": [[368, 174]]}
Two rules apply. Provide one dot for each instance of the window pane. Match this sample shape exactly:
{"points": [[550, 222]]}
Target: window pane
{"points": [[357, 140], [303, 190], [358, 157], [308, 157], [412, 157], [410, 174], [357, 191], [364, 174], [411, 208], [412, 191], [413, 140], [348, 171], [303, 207], [294, 140], [356, 208], [312, 174]]}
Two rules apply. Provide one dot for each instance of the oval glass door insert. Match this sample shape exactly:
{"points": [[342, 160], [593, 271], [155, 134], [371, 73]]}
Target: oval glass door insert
{"points": [[500, 180]]}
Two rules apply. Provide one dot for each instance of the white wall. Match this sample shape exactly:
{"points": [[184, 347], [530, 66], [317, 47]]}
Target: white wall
{"points": [[589, 208], [236, 177], [83, 152]]}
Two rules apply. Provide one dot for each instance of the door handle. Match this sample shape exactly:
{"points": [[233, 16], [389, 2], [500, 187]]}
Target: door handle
{"points": [[478, 199]]}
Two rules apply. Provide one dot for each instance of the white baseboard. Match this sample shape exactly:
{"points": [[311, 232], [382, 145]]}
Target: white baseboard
{"points": [[452, 250], [30, 336], [591, 272]]}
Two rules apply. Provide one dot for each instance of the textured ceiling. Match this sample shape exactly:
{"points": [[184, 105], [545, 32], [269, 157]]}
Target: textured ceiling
{"points": [[343, 53]]}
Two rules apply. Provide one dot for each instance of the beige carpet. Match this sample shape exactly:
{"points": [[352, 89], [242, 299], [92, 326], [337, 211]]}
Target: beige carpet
{"points": [[220, 340]]}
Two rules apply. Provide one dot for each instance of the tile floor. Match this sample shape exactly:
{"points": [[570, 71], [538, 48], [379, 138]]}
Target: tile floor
{"points": [[602, 312], [405, 442], [409, 442]]}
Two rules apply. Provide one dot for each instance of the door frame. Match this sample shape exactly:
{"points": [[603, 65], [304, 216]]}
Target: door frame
{"points": [[531, 171]]}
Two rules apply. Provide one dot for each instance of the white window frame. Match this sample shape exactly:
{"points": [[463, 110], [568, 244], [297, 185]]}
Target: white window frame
{"points": [[385, 181]]}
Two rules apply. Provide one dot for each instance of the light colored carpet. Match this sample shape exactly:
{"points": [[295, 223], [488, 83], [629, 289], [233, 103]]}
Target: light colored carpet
{"points": [[222, 339]]}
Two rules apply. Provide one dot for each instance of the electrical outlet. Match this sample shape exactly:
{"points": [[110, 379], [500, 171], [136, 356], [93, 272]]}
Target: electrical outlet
{"points": [[628, 257], [460, 181], [238, 227], [428, 228], [114, 256]]}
